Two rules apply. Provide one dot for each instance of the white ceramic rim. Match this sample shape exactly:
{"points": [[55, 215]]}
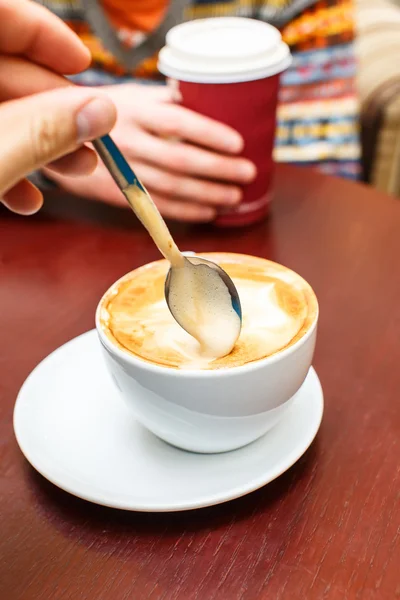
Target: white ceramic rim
{"points": [[202, 373], [218, 498]]}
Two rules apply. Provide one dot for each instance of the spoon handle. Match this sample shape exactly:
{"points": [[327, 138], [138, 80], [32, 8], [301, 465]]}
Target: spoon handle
{"points": [[116, 163], [138, 198]]}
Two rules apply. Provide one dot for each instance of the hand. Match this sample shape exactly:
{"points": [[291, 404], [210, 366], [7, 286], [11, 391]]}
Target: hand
{"points": [[36, 48], [186, 161]]}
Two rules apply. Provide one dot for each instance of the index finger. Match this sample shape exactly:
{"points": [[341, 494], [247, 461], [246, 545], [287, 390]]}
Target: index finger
{"points": [[173, 120], [30, 30]]}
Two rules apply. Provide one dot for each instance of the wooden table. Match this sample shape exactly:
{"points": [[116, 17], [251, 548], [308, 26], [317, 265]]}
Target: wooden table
{"points": [[328, 528]]}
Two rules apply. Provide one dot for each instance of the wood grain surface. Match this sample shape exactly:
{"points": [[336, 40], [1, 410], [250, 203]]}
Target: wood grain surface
{"points": [[329, 527]]}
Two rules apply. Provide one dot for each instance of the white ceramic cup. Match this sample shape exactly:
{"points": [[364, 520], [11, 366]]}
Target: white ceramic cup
{"points": [[210, 411]]}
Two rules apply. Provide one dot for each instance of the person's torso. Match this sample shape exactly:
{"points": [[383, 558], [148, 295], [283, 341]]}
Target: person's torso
{"points": [[133, 21]]}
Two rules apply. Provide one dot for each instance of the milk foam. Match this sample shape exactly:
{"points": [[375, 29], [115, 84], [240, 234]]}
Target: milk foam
{"points": [[275, 311]]}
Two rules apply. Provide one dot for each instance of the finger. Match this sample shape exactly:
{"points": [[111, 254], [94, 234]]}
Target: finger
{"points": [[40, 129], [101, 187], [168, 184], [81, 162], [97, 186], [177, 210], [30, 30], [187, 159], [137, 93], [175, 121], [24, 198], [19, 77], [188, 212]]}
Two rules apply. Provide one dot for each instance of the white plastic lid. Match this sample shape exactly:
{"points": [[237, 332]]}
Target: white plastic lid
{"points": [[223, 50]]}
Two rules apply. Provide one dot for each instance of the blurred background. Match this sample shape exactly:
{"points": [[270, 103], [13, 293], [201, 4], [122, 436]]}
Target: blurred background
{"points": [[378, 52]]}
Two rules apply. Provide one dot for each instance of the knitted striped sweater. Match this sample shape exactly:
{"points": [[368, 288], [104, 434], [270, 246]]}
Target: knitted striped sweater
{"points": [[318, 109]]}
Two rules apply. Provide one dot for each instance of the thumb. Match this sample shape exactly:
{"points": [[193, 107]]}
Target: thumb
{"points": [[40, 128]]}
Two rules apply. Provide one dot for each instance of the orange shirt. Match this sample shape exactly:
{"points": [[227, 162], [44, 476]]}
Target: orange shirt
{"points": [[137, 15]]}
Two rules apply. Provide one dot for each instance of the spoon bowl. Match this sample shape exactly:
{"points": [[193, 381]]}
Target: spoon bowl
{"points": [[196, 260], [222, 310]]}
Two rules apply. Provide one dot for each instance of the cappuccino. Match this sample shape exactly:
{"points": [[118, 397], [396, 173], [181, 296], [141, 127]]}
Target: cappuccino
{"points": [[278, 308]]}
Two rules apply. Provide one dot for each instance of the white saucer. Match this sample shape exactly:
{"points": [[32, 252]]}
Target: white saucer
{"points": [[74, 428]]}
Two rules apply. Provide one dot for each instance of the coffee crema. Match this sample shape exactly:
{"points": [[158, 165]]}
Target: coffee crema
{"points": [[278, 308]]}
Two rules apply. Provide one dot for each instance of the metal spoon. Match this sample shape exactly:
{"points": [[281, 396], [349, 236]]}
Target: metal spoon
{"points": [[147, 212]]}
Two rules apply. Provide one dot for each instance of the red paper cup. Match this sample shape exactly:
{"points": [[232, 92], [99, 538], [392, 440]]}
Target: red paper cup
{"points": [[228, 69]]}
